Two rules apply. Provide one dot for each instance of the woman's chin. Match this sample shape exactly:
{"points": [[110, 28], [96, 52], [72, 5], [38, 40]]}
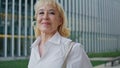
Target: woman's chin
{"points": [[46, 31]]}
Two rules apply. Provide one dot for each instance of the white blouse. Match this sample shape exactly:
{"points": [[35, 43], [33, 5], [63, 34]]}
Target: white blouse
{"points": [[55, 50]]}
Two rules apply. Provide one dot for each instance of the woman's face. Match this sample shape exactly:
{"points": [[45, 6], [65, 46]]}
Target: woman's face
{"points": [[48, 18]]}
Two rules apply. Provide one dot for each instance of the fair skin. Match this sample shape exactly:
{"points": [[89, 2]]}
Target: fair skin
{"points": [[48, 21]]}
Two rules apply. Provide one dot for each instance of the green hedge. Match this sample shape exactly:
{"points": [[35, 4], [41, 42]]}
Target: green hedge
{"points": [[14, 64], [106, 54], [24, 63]]}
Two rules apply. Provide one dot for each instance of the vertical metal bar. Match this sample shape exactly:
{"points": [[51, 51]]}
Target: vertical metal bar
{"points": [[13, 11], [73, 19], [106, 36], [112, 24], [66, 2], [91, 26], [69, 22], [77, 18], [82, 21], [104, 26], [83, 3], [104, 22], [109, 34], [95, 24], [101, 46], [69, 14], [114, 13], [31, 34], [109, 27], [86, 43], [110, 40], [86, 26], [117, 19], [107, 24], [62, 3], [6, 21], [82, 18], [19, 30], [98, 24], [79, 21], [25, 53]]}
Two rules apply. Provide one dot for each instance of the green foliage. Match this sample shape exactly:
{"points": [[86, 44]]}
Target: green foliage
{"points": [[95, 63], [106, 54], [14, 64], [24, 63]]}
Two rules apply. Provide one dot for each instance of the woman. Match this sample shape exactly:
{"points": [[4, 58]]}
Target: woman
{"points": [[51, 45]]}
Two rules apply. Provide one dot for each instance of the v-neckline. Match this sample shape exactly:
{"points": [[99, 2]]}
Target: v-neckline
{"points": [[41, 54]]}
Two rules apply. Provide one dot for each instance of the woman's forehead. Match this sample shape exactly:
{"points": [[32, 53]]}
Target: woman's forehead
{"points": [[47, 7], [48, 4]]}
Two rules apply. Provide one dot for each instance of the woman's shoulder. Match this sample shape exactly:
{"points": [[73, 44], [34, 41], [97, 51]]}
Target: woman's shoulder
{"points": [[78, 46], [67, 42]]}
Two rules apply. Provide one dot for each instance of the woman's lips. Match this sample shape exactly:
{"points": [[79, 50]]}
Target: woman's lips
{"points": [[46, 23]]}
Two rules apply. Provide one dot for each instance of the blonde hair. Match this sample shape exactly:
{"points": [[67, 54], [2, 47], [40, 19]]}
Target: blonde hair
{"points": [[62, 29]]}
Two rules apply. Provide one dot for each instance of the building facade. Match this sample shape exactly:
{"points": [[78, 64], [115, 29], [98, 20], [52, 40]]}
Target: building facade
{"points": [[93, 23]]}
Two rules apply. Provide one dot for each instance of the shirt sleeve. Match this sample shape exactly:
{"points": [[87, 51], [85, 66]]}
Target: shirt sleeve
{"points": [[78, 58], [30, 59]]}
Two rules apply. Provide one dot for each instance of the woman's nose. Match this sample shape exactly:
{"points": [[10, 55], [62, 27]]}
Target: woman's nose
{"points": [[45, 16]]}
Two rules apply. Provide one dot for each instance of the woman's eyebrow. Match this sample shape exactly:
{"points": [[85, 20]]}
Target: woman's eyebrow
{"points": [[41, 9], [47, 10], [51, 10]]}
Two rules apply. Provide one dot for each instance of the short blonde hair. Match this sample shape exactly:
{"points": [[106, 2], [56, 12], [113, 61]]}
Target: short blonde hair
{"points": [[62, 29]]}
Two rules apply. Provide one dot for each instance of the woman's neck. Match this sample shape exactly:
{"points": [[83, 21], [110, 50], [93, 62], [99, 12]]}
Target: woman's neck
{"points": [[45, 37]]}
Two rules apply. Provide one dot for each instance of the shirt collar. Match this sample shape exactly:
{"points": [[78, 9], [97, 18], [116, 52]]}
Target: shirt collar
{"points": [[55, 38], [36, 42]]}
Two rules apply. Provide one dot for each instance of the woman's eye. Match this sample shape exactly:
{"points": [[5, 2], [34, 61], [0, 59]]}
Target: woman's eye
{"points": [[52, 13], [41, 12]]}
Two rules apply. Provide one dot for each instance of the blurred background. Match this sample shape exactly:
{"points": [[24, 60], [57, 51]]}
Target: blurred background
{"points": [[93, 23]]}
